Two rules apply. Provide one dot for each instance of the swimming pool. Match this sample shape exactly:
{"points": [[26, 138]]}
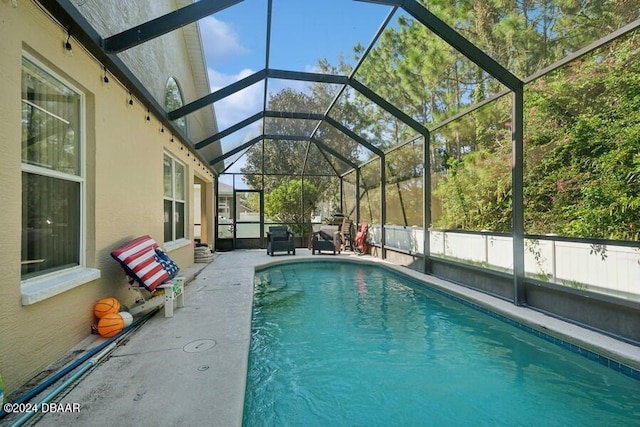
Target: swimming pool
{"points": [[343, 344]]}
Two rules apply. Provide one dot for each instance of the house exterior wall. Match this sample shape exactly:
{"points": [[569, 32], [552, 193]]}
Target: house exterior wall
{"points": [[148, 61], [124, 187]]}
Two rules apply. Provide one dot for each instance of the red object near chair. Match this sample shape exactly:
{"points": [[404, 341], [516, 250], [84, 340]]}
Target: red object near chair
{"points": [[362, 244]]}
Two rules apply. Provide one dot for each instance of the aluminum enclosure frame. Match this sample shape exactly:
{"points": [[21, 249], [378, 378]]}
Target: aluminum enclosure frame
{"points": [[105, 51]]}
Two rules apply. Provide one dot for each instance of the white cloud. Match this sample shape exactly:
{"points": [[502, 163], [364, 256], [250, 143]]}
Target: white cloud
{"points": [[240, 105], [312, 68], [219, 40]]}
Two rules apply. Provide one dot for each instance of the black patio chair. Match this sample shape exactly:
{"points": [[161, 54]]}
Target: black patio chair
{"points": [[280, 239], [326, 240]]}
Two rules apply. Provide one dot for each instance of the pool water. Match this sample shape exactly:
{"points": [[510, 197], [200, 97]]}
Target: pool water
{"points": [[338, 344]]}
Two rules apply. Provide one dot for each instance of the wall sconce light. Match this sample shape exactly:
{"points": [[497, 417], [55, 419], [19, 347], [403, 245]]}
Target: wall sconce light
{"points": [[148, 116], [67, 44], [162, 129], [171, 137], [130, 98], [105, 78]]}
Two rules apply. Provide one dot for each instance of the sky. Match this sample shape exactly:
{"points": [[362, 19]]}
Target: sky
{"points": [[302, 32]]}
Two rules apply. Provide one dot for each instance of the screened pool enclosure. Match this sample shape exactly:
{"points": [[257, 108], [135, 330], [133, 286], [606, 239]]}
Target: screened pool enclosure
{"points": [[495, 144]]}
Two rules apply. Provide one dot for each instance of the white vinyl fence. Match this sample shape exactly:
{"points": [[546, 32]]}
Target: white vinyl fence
{"points": [[603, 268]]}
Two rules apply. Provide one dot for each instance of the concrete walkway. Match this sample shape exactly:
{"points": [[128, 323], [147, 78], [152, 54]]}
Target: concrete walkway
{"points": [[190, 370]]}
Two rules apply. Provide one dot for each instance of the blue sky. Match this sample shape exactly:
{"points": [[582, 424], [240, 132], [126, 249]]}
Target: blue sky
{"points": [[303, 31]]}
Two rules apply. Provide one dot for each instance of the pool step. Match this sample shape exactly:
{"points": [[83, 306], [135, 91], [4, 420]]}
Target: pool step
{"points": [[277, 287], [291, 279]]}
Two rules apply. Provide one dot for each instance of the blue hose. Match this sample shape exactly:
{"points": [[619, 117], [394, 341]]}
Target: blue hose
{"points": [[51, 380], [27, 415]]}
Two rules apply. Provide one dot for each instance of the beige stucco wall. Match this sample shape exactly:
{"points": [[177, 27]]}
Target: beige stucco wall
{"points": [[123, 183], [148, 61]]}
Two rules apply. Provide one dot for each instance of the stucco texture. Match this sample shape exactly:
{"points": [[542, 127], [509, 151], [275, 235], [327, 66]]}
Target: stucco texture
{"points": [[124, 187]]}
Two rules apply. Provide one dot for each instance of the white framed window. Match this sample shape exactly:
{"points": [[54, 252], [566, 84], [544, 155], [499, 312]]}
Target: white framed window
{"points": [[53, 180], [174, 199]]}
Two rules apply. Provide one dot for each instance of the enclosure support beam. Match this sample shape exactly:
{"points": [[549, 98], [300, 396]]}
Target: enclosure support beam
{"points": [[164, 24], [351, 134], [307, 77], [324, 147], [303, 218], [216, 226], [388, 107], [267, 53], [319, 146], [236, 150], [357, 66], [217, 95], [426, 202], [342, 194], [383, 206], [293, 115], [458, 42], [357, 207], [228, 131], [249, 120], [517, 202]]}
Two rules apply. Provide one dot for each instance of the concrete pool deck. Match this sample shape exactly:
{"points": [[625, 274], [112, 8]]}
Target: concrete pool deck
{"points": [[191, 369]]}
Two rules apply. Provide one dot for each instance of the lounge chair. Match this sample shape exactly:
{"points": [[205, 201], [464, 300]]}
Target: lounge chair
{"points": [[280, 239]]}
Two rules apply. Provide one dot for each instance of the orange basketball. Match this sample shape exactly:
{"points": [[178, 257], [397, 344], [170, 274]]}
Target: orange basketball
{"points": [[106, 306], [110, 325]]}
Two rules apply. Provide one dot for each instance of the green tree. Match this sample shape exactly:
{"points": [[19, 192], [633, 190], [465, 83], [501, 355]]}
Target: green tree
{"points": [[476, 193], [268, 163], [583, 147], [404, 191], [284, 203], [581, 136]]}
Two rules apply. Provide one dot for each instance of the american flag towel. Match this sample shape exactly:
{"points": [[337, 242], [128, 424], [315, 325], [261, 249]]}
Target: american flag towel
{"points": [[145, 263]]}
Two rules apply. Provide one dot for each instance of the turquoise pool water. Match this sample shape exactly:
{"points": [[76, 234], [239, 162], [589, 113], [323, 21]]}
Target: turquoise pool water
{"points": [[337, 344]]}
